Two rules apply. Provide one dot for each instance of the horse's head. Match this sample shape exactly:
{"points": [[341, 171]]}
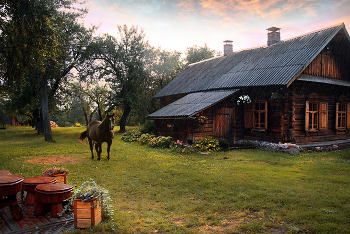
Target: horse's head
{"points": [[110, 120]]}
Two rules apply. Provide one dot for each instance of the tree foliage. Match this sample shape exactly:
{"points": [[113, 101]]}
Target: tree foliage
{"points": [[41, 42], [198, 53], [162, 67], [123, 67]]}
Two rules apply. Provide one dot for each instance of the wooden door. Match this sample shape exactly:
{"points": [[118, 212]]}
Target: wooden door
{"points": [[224, 122]]}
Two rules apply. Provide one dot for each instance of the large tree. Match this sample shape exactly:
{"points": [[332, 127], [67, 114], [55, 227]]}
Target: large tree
{"points": [[41, 42], [123, 68]]}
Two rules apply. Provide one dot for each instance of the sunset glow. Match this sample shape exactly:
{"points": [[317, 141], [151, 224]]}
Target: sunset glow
{"points": [[178, 24]]}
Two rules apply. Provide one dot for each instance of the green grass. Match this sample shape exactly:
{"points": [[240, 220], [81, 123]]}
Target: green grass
{"points": [[160, 190]]}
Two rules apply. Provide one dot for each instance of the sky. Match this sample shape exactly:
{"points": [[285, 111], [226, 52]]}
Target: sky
{"points": [[178, 24]]}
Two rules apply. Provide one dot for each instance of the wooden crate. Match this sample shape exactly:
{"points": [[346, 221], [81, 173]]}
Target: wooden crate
{"points": [[61, 178], [87, 214]]}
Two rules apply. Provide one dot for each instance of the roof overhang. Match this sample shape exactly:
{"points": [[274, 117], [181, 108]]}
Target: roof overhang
{"points": [[323, 80], [191, 104]]}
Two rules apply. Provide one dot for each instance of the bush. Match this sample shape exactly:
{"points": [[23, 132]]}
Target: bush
{"points": [[145, 138], [178, 144], [131, 136], [224, 144], [208, 144], [148, 127], [161, 141]]}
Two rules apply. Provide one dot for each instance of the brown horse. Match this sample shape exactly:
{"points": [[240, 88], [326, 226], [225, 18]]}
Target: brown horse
{"points": [[98, 132]]}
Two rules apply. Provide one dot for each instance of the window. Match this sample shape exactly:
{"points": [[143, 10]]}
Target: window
{"points": [[342, 121], [316, 116], [341, 116], [255, 115], [260, 115], [313, 116]]}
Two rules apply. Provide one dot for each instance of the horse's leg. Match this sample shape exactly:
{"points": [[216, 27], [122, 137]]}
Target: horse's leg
{"points": [[108, 148], [91, 148], [98, 147]]}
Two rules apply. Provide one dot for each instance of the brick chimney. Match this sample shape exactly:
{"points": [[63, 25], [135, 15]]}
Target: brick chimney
{"points": [[273, 35], [228, 47]]}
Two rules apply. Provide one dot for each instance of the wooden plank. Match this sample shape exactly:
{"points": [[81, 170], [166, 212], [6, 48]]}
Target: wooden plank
{"points": [[84, 213], [6, 215], [82, 223]]}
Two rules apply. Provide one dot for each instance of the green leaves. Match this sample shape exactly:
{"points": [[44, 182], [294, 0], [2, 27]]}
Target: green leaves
{"points": [[197, 53]]}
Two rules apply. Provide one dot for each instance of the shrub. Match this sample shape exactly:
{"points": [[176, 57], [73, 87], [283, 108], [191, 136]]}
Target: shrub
{"points": [[145, 138], [165, 142], [148, 127], [224, 144], [131, 136], [178, 144], [208, 144], [161, 141]]}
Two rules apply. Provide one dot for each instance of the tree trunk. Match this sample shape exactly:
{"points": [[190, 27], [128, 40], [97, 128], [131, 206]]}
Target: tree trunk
{"points": [[86, 118], [45, 111], [91, 114], [99, 111], [39, 125], [125, 115]]}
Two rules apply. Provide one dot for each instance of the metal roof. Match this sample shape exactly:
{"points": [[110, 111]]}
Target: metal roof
{"points": [[323, 80], [191, 104], [278, 64]]}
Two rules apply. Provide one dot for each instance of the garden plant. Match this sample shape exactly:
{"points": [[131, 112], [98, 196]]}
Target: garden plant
{"points": [[166, 190]]}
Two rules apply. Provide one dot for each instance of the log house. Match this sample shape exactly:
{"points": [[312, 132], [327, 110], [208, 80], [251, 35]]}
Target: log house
{"points": [[295, 90]]}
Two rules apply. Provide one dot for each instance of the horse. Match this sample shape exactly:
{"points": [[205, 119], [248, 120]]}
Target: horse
{"points": [[98, 132]]}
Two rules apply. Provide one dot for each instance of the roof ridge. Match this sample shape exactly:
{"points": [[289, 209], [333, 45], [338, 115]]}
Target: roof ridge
{"points": [[291, 38], [265, 46]]}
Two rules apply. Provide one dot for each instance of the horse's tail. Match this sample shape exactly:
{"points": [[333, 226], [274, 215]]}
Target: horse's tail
{"points": [[82, 136]]}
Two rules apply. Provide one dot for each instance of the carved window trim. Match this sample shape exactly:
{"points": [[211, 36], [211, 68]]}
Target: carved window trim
{"points": [[316, 115]]}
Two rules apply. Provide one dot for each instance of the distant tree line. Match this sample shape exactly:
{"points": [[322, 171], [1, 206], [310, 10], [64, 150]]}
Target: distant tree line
{"points": [[52, 67]]}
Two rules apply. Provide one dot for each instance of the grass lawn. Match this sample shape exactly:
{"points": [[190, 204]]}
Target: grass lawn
{"points": [[160, 190]]}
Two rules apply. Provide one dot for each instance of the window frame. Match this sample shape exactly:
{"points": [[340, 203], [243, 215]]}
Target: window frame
{"points": [[249, 115], [321, 112], [260, 113], [340, 115], [345, 117]]}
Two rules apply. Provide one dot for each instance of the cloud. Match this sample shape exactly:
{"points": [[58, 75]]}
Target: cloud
{"points": [[243, 12], [177, 24]]}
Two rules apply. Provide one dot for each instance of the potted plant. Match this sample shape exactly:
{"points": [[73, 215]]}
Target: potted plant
{"points": [[89, 201], [59, 173], [276, 97], [202, 119], [170, 126]]}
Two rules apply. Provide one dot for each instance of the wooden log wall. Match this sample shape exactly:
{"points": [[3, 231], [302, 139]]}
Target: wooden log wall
{"points": [[324, 65], [325, 93], [202, 131], [277, 117], [180, 131], [333, 61]]}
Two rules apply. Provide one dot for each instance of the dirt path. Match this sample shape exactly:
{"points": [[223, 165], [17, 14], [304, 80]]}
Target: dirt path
{"points": [[54, 160]]}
